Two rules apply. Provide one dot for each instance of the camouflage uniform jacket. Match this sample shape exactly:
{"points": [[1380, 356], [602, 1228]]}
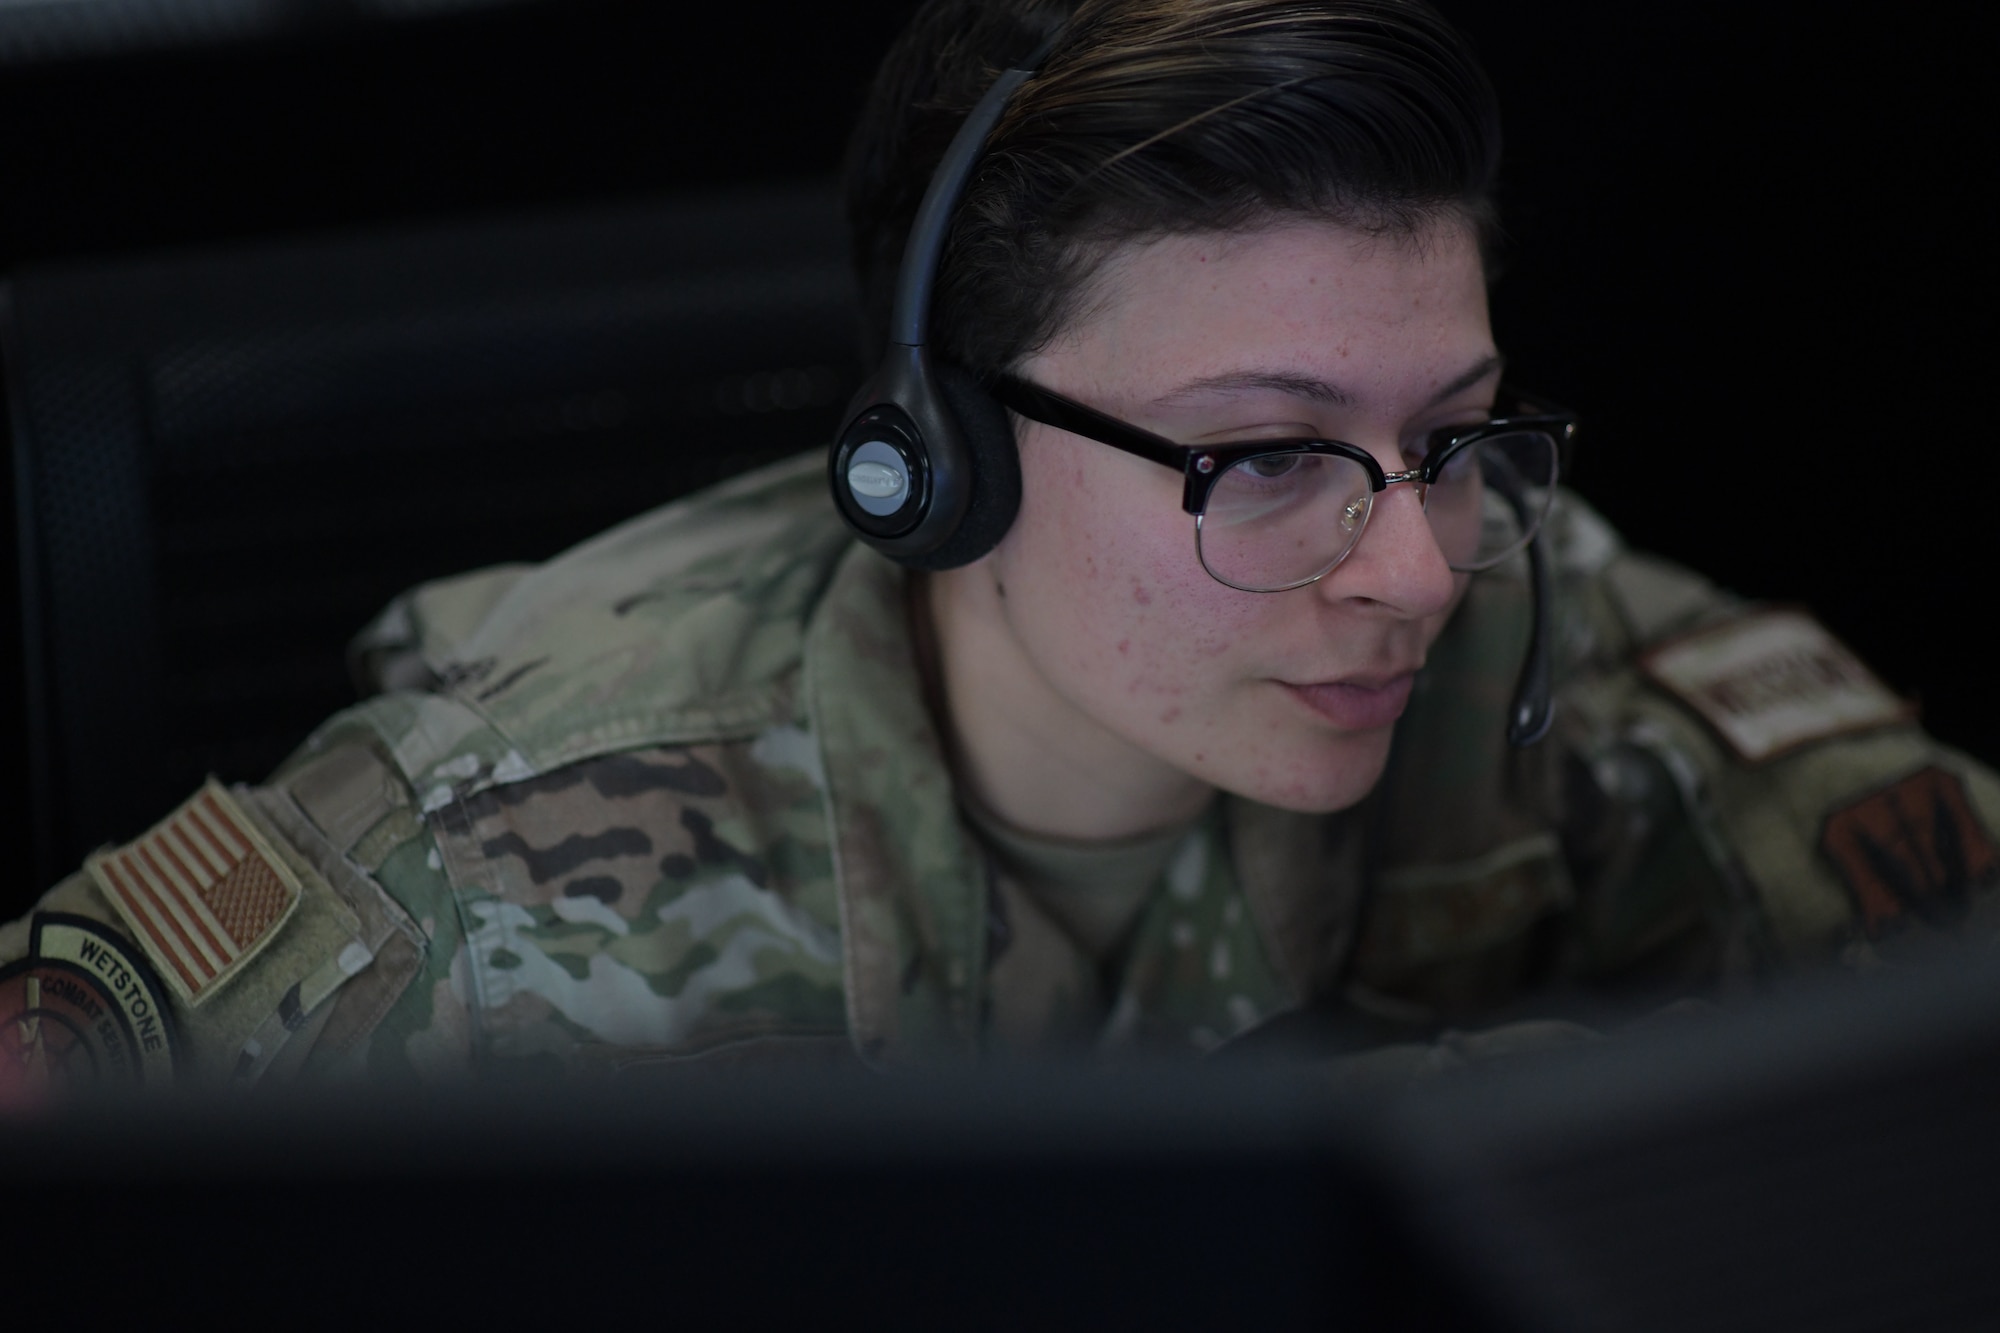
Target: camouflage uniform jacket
{"points": [[676, 796]]}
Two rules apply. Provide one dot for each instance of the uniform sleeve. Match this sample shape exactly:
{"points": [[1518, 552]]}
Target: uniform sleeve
{"points": [[1744, 796], [407, 1018], [255, 933]]}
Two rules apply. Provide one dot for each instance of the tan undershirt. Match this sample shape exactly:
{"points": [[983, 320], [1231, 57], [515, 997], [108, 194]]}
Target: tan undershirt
{"points": [[1093, 890], [1067, 909]]}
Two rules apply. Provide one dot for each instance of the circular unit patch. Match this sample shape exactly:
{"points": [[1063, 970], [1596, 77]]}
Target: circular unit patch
{"points": [[82, 1013]]}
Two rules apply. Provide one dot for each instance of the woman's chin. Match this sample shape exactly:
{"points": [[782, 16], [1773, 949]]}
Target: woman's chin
{"points": [[1321, 778]]}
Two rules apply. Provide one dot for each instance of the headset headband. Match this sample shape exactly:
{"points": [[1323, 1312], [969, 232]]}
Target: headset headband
{"points": [[910, 320]]}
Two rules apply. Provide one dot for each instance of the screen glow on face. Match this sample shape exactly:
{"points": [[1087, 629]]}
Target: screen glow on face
{"points": [[1118, 649]]}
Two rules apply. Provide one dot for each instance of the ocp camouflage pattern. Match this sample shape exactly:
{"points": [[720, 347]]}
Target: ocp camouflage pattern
{"points": [[674, 798]]}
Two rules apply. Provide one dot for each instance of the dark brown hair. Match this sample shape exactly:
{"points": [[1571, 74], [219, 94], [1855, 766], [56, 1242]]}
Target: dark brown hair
{"points": [[1156, 117]]}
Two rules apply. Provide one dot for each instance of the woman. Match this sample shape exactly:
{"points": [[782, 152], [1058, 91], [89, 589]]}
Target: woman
{"points": [[1175, 656]]}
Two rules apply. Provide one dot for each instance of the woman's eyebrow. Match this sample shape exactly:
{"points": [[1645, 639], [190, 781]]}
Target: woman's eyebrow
{"points": [[1251, 381], [1478, 372], [1307, 386]]}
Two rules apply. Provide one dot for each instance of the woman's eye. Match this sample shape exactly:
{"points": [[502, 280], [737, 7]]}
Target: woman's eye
{"points": [[1271, 465]]}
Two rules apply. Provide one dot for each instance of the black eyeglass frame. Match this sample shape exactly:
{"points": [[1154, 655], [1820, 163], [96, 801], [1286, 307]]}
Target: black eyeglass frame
{"points": [[1200, 466]]}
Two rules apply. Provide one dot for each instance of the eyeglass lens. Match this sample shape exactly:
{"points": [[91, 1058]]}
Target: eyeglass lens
{"points": [[1275, 521]]}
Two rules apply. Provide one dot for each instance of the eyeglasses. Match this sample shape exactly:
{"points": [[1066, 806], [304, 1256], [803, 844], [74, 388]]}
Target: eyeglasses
{"points": [[1276, 514]]}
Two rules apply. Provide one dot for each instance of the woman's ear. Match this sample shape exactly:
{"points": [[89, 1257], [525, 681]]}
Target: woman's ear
{"points": [[988, 432]]}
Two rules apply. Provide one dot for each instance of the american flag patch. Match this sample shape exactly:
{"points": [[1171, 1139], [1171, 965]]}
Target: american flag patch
{"points": [[203, 892]]}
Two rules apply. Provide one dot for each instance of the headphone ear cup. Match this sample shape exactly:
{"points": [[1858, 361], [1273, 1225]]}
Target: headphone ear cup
{"points": [[988, 435]]}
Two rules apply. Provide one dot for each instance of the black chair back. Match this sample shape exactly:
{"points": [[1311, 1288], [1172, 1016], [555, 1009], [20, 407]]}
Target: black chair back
{"points": [[227, 461]]}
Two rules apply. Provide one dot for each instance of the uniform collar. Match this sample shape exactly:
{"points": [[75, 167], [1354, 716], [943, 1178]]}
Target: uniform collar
{"points": [[911, 882]]}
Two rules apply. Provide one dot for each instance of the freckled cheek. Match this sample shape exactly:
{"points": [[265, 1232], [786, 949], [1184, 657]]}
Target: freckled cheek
{"points": [[1177, 645], [1131, 597], [1212, 620], [1116, 572]]}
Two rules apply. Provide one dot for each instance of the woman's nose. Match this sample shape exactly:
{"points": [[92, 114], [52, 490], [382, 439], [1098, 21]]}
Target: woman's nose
{"points": [[1398, 562]]}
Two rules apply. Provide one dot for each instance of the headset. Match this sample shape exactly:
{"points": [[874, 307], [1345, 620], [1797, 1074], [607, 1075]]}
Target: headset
{"points": [[924, 468]]}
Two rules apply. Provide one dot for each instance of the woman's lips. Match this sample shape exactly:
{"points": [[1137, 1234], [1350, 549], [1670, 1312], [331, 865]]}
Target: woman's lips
{"points": [[1354, 706]]}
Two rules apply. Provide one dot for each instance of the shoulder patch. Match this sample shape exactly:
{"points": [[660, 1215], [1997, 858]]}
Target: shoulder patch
{"points": [[1770, 681], [203, 893], [82, 1012], [1913, 849]]}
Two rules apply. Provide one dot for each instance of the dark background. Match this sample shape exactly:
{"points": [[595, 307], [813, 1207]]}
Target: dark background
{"points": [[1748, 242]]}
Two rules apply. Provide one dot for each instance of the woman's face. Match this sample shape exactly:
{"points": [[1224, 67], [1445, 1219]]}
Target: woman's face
{"points": [[1299, 329]]}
